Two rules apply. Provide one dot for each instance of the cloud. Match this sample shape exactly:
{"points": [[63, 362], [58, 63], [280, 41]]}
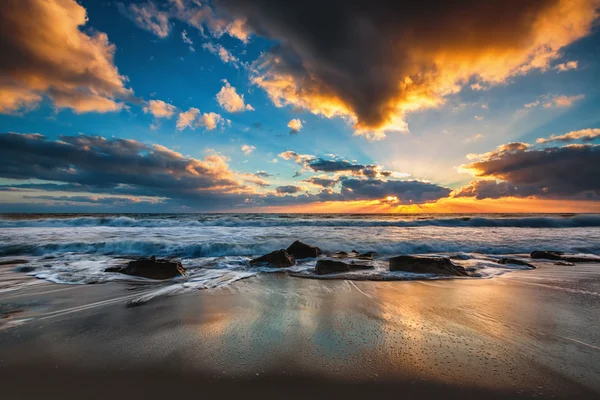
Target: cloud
{"points": [[322, 181], [263, 174], [222, 52], [562, 101], [187, 40], [147, 16], [120, 167], [478, 118], [555, 101], [159, 109], [585, 135], [474, 138], [290, 189], [373, 63], [295, 125], [492, 189], [187, 118], [46, 53], [567, 66], [570, 171], [198, 14], [193, 119], [318, 164], [230, 101], [247, 149], [405, 192]]}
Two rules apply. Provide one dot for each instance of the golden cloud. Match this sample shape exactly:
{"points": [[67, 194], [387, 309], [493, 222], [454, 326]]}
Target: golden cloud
{"points": [[44, 53], [372, 64]]}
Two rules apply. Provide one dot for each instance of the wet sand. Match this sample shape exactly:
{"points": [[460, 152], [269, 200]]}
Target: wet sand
{"points": [[523, 334]]}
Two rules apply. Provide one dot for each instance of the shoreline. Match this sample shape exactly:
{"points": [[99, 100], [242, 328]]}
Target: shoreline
{"points": [[519, 334]]}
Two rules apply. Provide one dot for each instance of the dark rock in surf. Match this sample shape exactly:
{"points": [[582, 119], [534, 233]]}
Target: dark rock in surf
{"points": [[562, 256], [151, 268], [354, 254], [426, 265], [515, 261], [302, 250], [279, 258], [325, 266]]}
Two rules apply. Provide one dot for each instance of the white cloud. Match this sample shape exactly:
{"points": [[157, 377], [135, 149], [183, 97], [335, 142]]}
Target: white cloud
{"points": [[478, 118], [230, 100], [295, 125], [159, 109], [567, 66], [247, 149], [186, 119], [187, 41], [192, 118], [222, 52]]}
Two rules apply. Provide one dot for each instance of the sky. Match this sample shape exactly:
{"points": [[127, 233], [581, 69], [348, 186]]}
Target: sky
{"points": [[318, 106]]}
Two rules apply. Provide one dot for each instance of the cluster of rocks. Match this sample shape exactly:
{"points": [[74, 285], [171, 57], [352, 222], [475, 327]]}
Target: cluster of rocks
{"points": [[341, 262]]}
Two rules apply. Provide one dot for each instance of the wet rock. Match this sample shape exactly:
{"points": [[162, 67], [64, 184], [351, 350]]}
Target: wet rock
{"points": [[354, 254], [280, 258], [426, 265], [151, 268], [506, 260], [302, 250], [326, 266], [562, 256]]}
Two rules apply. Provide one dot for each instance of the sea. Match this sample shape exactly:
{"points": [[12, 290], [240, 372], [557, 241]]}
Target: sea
{"points": [[216, 249]]}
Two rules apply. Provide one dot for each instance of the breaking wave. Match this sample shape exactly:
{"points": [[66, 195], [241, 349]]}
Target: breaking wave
{"points": [[252, 220]]}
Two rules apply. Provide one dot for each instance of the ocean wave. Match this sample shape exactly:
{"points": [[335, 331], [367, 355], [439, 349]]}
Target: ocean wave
{"points": [[125, 247], [572, 221]]}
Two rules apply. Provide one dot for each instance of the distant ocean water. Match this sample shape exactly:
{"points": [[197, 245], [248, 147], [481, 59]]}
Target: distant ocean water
{"points": [[216, 248]]}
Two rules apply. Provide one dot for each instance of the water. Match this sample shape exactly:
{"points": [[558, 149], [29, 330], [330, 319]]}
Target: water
{"points": [[216, 248]]}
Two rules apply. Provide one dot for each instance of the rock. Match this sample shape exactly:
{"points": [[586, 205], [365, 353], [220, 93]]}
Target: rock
{"points": [[280, 258], [302, 250], [325, 266], [548, 255], [562, 256], [515, 261], [426, 265], [151, 268], [354, 254], [565, 263]]}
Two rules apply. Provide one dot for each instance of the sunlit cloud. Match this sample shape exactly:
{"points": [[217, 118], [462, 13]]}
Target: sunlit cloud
{"points": [[295, 125], [567, 66], [47, 53], [584, 135], [159, 109], [222, 52], [374, 83], [247, 149], [230, 100]]}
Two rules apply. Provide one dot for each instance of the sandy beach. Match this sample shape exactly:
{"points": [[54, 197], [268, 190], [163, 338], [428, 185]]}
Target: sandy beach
{"points": [[523, 334]]}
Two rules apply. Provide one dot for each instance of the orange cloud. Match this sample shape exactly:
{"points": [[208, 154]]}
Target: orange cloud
{"points": [[46, 54], [389, 61]]}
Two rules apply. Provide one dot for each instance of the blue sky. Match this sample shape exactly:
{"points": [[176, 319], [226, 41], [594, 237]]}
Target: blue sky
{"points": [[520, 107]]}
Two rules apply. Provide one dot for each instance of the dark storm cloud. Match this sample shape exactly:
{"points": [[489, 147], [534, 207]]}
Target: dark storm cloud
{"points": [[321, 181], [318, 164], [117, 166], [289, 189], [407, 192], [570, 171], [373, 61]]}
